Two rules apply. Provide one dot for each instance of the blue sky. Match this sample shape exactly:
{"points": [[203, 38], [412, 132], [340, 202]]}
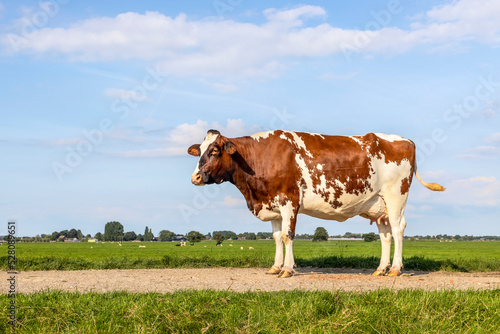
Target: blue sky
{"points": [[100, 101]]}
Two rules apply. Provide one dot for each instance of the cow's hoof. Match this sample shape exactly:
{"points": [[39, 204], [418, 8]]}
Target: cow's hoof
{"points": [[273, 271], [285, 273], [379, 273], [394, 272]]}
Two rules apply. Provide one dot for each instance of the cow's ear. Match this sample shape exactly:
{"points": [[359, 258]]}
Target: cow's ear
{"points": [[230, 147], [194, 150]]}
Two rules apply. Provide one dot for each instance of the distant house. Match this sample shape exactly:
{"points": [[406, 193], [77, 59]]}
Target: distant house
{"points": [[72, 240], [93, 240], [179, 238], [345, 239]]}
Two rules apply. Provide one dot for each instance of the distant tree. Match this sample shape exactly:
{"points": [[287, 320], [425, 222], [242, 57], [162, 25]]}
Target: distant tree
{"points": [[251, 236], [218, 237], [264, 235], [166, 235], [64, 232], [195, 236], [99, 236], [129, 236], [88, 236], [54, 236], [140, 237], [148, 234], [320, 234], [72, 233], [113, 231], [227, 234], [369, 237]]}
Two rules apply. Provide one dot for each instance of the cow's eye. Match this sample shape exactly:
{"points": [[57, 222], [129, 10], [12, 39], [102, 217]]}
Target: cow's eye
{"points": [[215, 151]]}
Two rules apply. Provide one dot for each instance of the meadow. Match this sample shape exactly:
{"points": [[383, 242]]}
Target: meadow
{"points": [[418, 255], [383, 311], [207, 311]]}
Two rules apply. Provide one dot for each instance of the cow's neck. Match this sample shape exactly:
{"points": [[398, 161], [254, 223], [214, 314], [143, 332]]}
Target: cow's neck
{"points": [[251, 186]]}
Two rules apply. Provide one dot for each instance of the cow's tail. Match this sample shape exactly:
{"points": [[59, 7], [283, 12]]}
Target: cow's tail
{"points": [[431, 186]]}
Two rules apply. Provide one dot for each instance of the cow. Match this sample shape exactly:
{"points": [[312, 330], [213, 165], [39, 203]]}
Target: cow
{"points": [[284, 173]]}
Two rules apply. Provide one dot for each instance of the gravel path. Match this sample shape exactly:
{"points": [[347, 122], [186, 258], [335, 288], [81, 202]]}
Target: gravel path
{"points": [[241, 280]]}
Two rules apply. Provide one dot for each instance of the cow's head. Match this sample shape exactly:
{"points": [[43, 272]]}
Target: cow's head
{"points": [[219, 158]]}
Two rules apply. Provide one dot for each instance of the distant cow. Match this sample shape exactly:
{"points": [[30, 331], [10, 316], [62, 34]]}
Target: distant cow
{"points": [[219, 243], [284, 173]]}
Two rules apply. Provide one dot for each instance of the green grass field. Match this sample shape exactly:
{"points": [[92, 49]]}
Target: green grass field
{"points": [[383, 311], [418, 255]]}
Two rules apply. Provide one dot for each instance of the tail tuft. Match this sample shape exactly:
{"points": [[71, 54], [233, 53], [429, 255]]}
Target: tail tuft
{"points": [[431, 186], [435, 187]]}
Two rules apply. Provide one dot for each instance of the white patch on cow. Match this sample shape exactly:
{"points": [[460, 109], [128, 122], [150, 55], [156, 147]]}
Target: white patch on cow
{"points": [[297, 141], [262, 135], [209, 139], [390, 138], [300, 143], [317, 134], [266, 214], [319, 167], [356, 139]]}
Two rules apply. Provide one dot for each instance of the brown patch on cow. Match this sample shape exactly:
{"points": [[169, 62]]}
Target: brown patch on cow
{"points": [[395, 152], [405, 185], [271, 178]]}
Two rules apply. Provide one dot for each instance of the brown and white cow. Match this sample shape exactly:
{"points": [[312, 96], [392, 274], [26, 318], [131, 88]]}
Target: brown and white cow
{"points": [[284, 173]]}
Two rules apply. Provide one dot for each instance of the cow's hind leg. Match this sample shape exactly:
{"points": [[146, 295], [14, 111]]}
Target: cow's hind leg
{"points": [[278, 257], [397, 221], [397, 232], [384, 232]]}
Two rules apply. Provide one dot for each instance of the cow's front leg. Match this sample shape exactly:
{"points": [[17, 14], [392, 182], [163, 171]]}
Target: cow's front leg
{"points": [[289, 219], [278, 257]]}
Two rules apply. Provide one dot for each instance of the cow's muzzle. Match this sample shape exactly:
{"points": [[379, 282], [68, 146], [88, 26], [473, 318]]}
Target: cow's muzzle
{"points": [[197, 179]]}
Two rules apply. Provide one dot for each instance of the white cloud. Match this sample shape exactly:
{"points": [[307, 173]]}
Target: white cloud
{"points": [[494, 138], [125, 94], [463, 20], [65, 142], [292, 16], [485, 151], [188, 134], [220, 87], [152, 153], [207, 48], [481, 152], [336, 76], [477, 191], [184, 135], [232, 201]]}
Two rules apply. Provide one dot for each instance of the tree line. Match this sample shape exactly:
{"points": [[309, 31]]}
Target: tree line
{"points": [[114, 231]]}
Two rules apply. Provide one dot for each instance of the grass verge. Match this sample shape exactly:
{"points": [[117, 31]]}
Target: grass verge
{"points": [[246, 261], [206, 311]]}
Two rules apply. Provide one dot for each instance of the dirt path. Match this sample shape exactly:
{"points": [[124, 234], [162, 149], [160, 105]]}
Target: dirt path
{"points": [[241, 280]]}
